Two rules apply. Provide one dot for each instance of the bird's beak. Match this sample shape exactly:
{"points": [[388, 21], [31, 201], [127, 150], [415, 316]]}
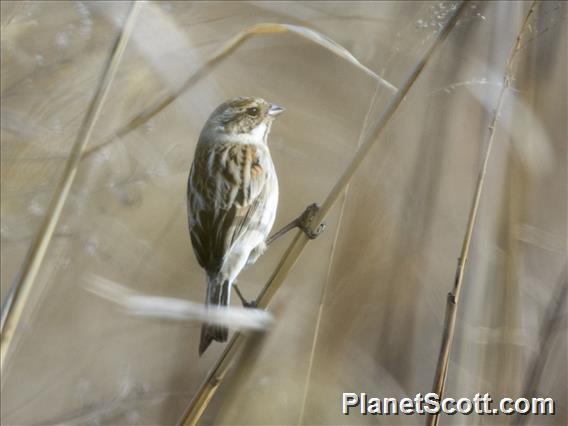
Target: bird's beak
{"points": [[275, 110]]}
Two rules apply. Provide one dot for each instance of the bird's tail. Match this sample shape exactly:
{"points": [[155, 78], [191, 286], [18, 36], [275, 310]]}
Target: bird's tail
{"points": [[218, 295]]}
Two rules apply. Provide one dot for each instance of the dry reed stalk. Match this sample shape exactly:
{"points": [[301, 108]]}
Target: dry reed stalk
{"points": [[19, 293], [453, 297], [218, 372], [217, 58]]}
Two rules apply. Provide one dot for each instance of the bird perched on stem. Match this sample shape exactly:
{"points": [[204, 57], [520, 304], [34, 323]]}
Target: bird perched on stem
{"points": [[232, 196]]}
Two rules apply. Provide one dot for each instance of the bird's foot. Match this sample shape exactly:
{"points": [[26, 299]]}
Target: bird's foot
{"points": [[251, 304], [306, 219]]}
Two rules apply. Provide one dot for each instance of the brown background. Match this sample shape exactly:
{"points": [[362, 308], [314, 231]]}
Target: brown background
{"points": [[377, 279]]}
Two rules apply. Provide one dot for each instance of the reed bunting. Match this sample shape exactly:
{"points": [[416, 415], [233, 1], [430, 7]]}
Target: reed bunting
{"points": [[232, 196]]}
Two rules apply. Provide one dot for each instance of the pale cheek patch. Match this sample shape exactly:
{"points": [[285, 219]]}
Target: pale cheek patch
{"points": [[256, 136], [259, 132]]}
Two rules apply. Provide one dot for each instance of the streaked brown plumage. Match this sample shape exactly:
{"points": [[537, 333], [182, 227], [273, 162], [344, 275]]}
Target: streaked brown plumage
{"points": [[232, 197]]}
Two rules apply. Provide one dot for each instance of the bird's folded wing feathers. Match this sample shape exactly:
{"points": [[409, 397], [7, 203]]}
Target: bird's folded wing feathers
{"points": [[226, 196]]}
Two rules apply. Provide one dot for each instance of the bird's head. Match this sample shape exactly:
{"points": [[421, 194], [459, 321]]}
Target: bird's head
{"points": [[243, 119]]}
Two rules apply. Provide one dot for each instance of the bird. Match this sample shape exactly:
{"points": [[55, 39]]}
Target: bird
{"points": [[232, 198]]}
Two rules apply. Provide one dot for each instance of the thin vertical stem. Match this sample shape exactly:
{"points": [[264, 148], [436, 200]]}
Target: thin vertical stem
{"points": [[323, 293], [21, 289], [216, 375], [454, 295]]}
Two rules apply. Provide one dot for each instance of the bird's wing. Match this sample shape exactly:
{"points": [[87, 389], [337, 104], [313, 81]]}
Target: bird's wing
{"points": [[227, 192]]}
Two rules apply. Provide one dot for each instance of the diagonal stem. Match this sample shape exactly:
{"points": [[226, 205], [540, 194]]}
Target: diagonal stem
{"points": [[216, 375], [261, 29], [16, 299], [454, 295]]}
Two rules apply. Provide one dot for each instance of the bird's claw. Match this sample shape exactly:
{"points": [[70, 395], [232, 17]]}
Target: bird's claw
{"points": [[252, 304], [306, 220]]}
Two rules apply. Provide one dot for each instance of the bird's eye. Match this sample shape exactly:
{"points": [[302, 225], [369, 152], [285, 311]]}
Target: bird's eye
{"points": [[252, 111]]}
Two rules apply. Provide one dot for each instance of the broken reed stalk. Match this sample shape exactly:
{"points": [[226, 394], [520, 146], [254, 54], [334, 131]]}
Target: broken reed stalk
{"points": [[551, 319], [211, 63], [453, 297], [20, 291], [219, 370]]}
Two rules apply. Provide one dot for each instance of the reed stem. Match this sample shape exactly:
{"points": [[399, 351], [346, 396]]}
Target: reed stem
{"points": [[219, 370], [18, 295], [454, 296], [261, 29]]}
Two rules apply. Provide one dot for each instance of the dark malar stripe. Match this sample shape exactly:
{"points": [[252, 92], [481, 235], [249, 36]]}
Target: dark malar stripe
{"points": [[247, 162]]}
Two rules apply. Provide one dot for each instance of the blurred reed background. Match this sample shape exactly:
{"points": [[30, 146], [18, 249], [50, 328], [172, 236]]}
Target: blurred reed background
{"points": [[363, 309]]}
